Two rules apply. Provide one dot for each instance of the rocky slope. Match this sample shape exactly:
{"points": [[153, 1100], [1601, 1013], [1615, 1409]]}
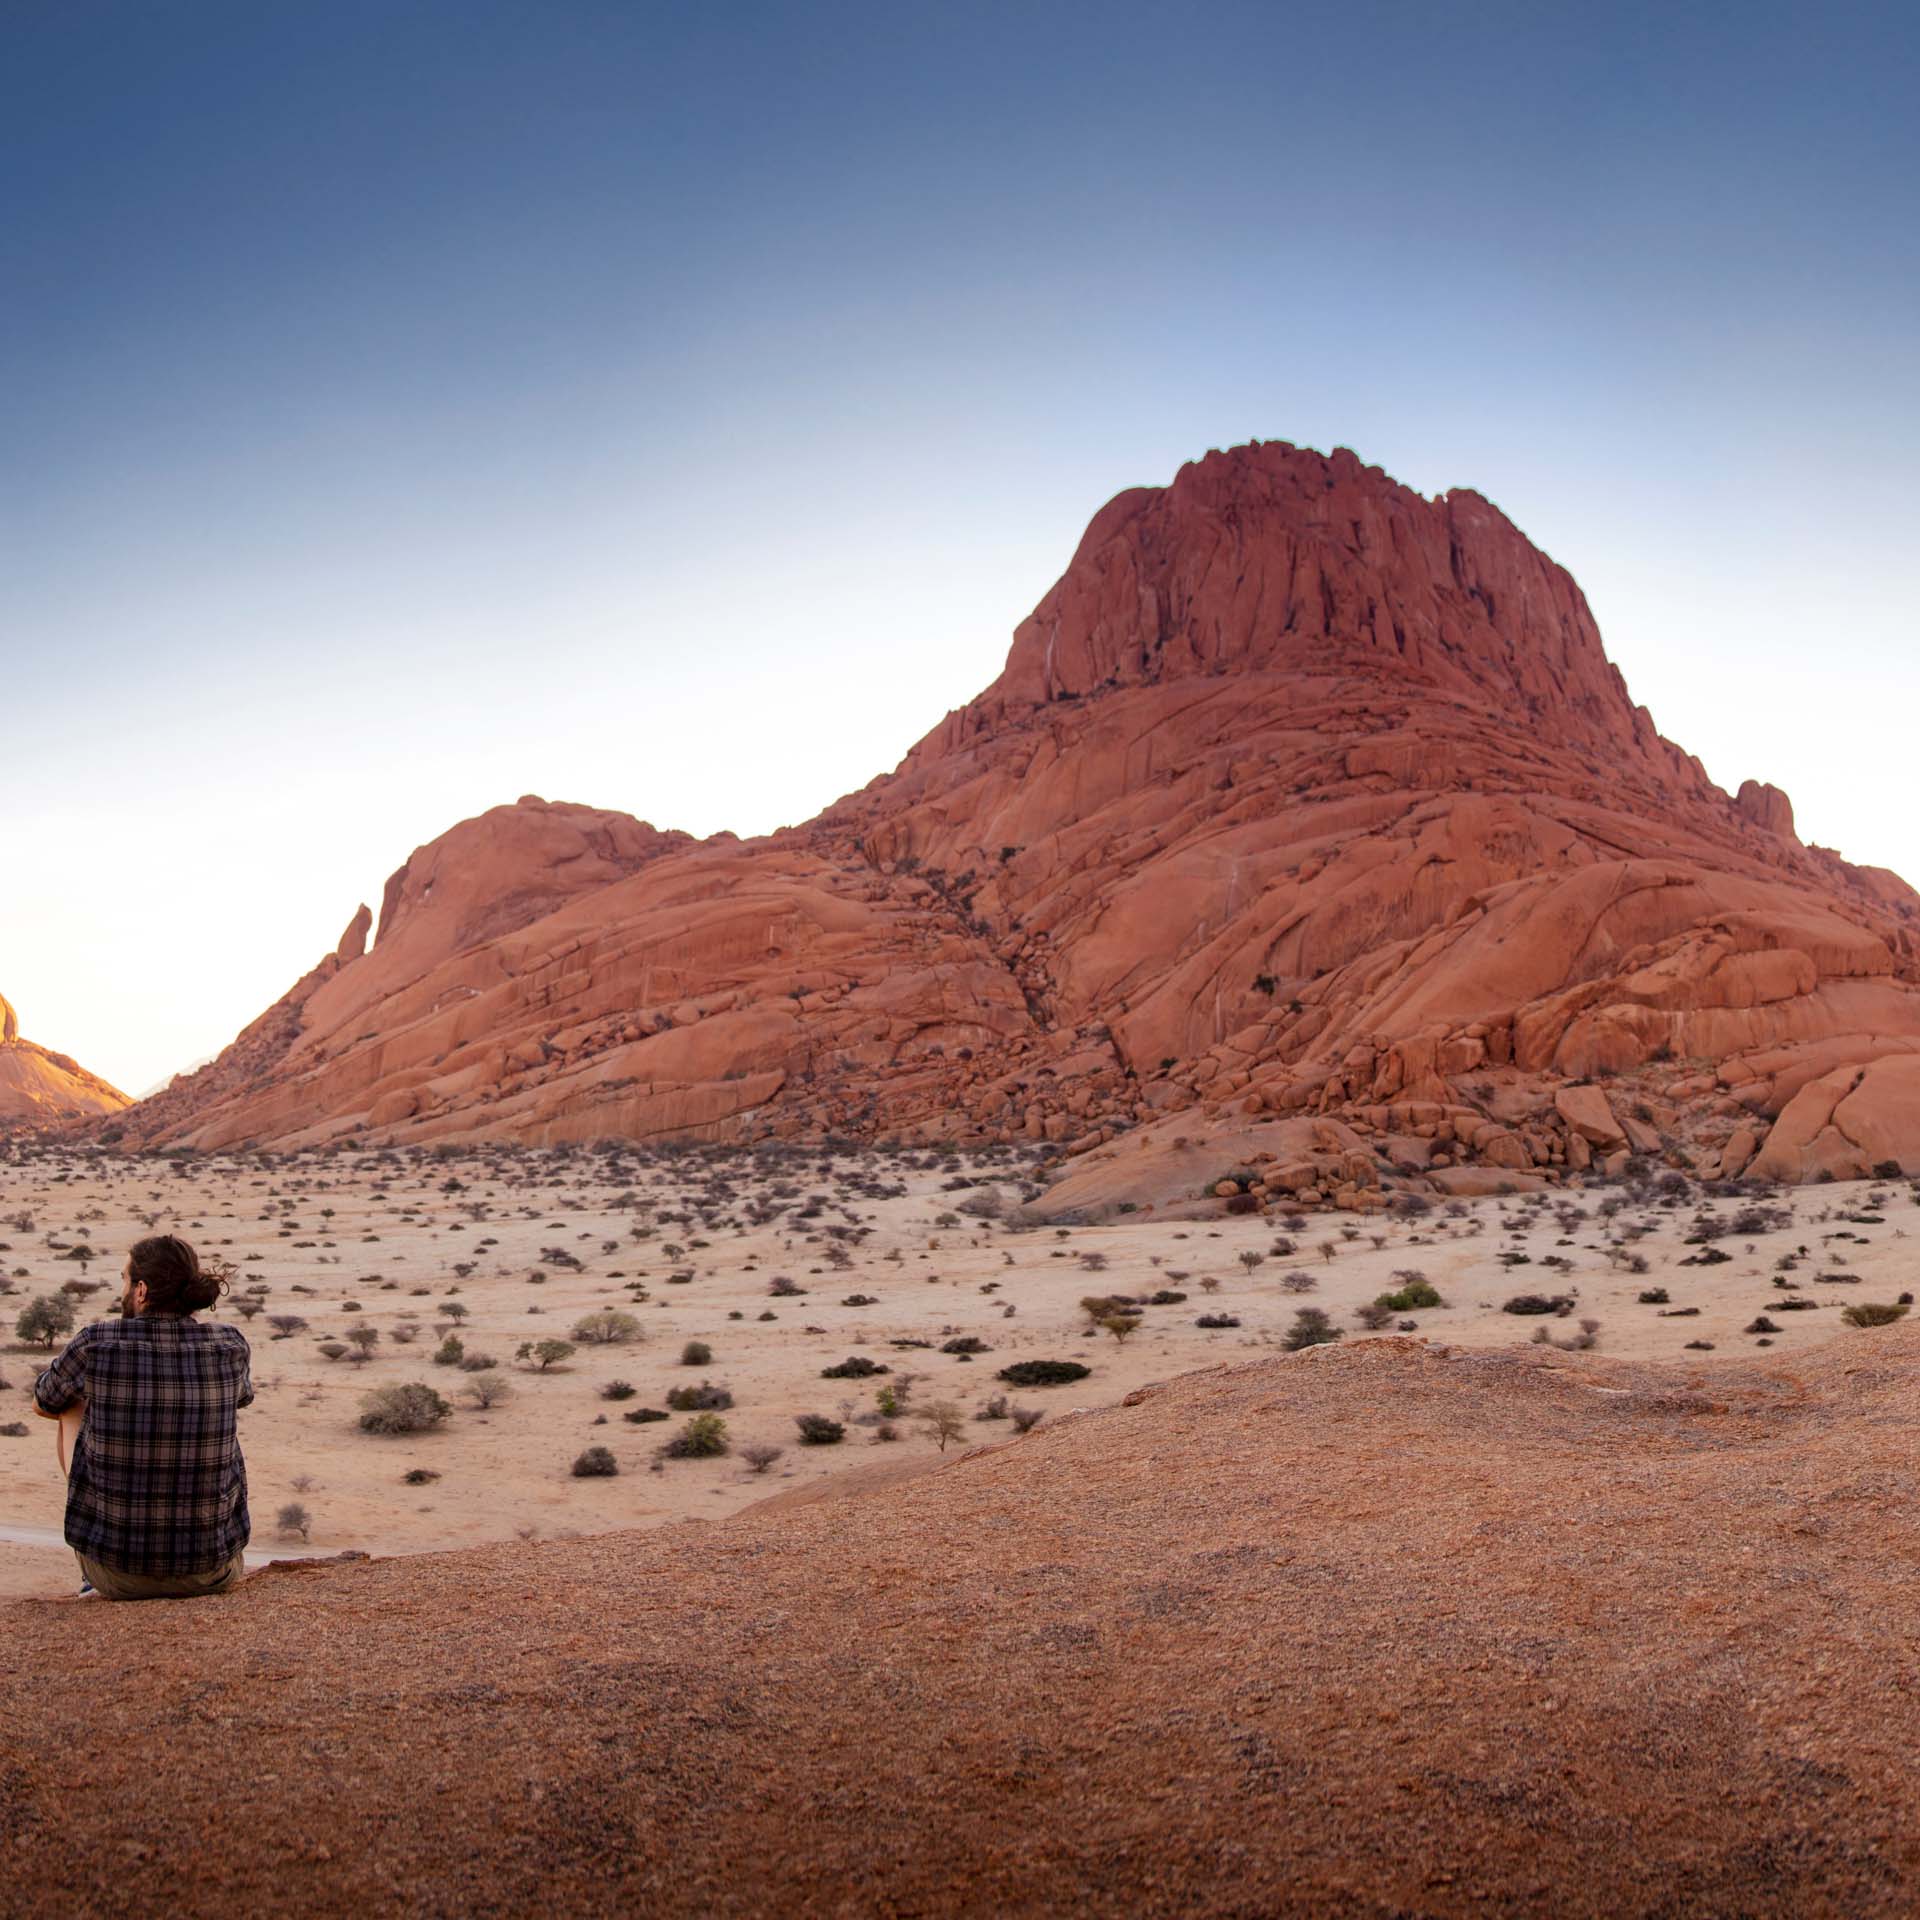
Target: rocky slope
{"points": [[1374, 1630], [41, 1088], [1308, 822]]}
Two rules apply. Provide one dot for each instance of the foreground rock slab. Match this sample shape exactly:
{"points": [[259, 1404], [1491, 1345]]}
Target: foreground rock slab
{"points": [[1373, 1630]]}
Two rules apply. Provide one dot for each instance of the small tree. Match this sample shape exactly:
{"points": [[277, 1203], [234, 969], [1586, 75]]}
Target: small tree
{"points": [[1252, 1261], [450, 1352], [1311, 1328], [45, 1318], [363, 1341], [543, 1354], [294, 1521], [595, 1463], [944, 1421], [488, 1390], [333, 1349], [696, 1353], [759, 1457], [286, 1325], [1122, 1326]]}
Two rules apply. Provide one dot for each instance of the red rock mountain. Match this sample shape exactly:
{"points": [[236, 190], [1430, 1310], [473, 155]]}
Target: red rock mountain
{"points": [[41, 1088], [1308, 825]]}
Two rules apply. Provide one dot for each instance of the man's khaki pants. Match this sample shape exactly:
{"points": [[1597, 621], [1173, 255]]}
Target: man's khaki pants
{"points": [[110, 1584]]}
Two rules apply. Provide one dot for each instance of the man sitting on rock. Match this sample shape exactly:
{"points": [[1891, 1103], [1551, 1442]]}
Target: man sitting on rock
{"points": [[156, 1485]]}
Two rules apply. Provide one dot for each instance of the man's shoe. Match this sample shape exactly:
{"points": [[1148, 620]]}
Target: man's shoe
{"points": [[87, 1590]]}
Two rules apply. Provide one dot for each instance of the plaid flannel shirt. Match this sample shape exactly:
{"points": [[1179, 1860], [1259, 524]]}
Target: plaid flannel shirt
{"points": [[158, 1485]]}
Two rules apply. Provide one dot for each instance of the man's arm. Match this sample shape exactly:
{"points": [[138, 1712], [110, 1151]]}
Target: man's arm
{"points": [[64, 1384]]}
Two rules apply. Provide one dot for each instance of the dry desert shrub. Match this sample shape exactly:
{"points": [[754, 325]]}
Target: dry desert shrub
{"points": [[1870, 1313], [705, 1397], [606, 1326], [410, 1408]]}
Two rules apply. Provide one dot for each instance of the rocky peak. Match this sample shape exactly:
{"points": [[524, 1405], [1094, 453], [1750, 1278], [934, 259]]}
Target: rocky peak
{"points": [[508, 866], [1274, 558], [1766, 806]]}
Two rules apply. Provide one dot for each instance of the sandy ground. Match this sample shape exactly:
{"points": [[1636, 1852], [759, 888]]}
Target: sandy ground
{"points": [[692, 1244]]}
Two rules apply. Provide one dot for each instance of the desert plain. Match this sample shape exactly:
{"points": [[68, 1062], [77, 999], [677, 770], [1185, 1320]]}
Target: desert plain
{"points": [[361, 1270]]}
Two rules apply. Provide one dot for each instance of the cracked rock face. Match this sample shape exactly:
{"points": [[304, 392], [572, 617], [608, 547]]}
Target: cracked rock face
{"points": [[1304, 806]]}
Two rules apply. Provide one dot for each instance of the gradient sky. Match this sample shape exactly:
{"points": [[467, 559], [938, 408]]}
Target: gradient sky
{"points": [[415, 404]]}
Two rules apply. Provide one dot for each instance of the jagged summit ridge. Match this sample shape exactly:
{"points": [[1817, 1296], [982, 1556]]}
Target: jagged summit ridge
{"points": [[1274, 558], [1304, 807]]}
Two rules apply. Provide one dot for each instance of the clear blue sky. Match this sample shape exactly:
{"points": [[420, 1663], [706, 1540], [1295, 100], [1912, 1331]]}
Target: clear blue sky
{"points": [[410, 405]]}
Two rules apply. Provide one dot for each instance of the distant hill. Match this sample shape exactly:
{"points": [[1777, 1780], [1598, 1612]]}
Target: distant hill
{"points": [[41, 1088]]}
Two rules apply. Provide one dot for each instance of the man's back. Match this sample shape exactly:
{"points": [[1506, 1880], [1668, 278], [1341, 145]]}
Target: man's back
{"points": [[158, 1485]]}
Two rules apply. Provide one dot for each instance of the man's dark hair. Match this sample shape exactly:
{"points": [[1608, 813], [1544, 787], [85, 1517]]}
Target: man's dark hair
{"points": [[175, 1280]]}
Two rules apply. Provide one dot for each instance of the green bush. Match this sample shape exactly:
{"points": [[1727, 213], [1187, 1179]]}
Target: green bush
{"points": [[696, 1353], [1416, 1291], [1043, 1373], [595, 1463], [704, 1437]]}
